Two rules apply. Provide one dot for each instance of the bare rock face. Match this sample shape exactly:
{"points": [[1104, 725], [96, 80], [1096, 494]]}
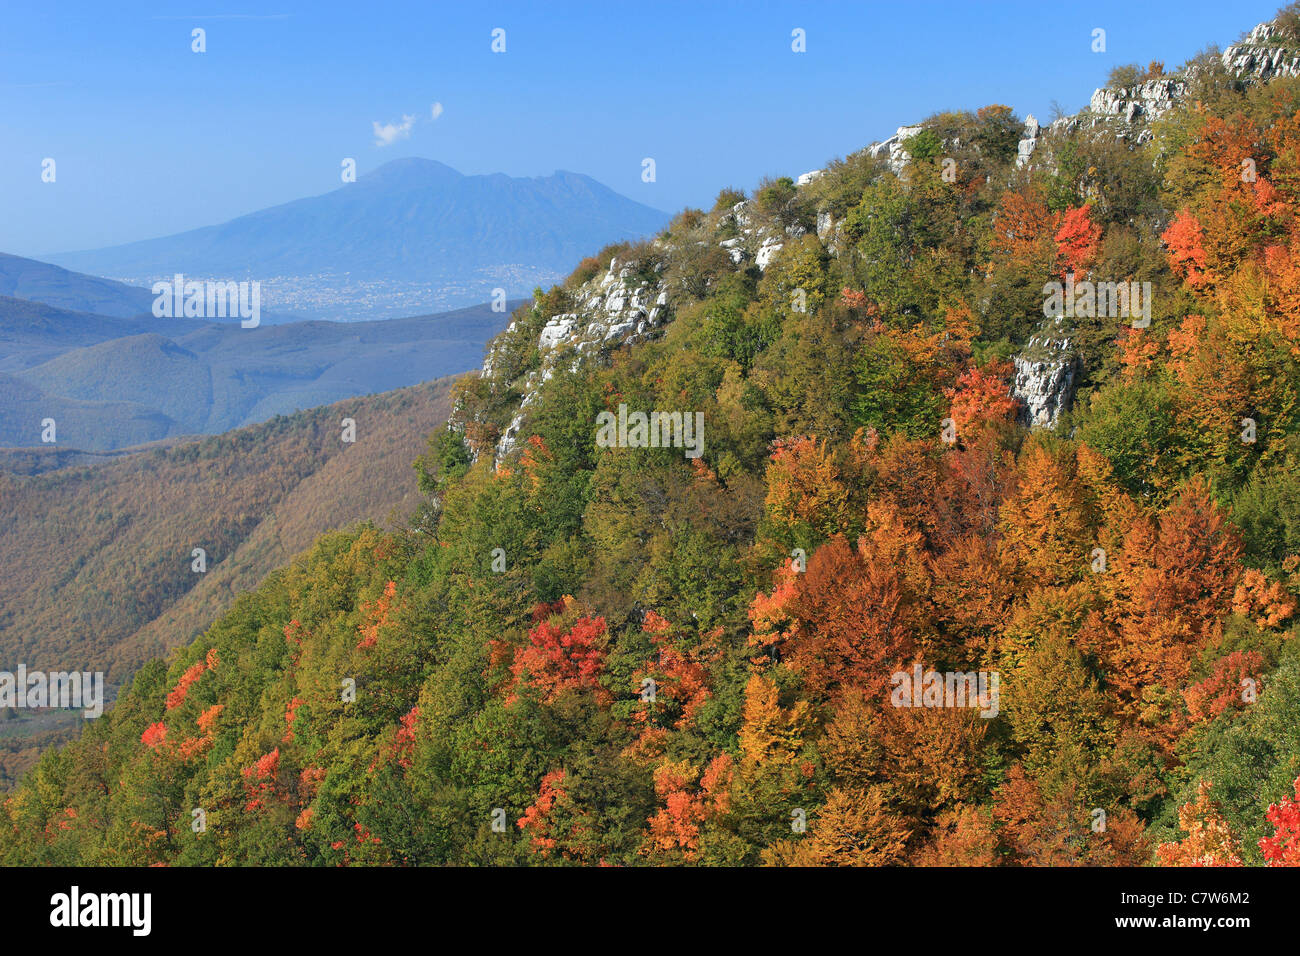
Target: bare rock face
{"points": [[1261, 57], [1029, 142], [1045, 374], [620, 307], [1134, 106], [750, 242], [1145, 101], [628, 304], [756, 243], [825, 224], [1129, 111], [770, 247], [616, 307], [559, 330], [1126, 112], [892, 148]]}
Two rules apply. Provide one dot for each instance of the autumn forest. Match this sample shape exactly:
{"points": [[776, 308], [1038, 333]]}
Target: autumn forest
{"points": [[578, 654]]}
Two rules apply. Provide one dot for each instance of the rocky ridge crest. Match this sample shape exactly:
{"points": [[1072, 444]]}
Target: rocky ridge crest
{"points": [[629, 303]]}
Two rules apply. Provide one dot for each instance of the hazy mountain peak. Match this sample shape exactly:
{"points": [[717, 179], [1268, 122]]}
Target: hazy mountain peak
{"points": [[414, 235], [411, 171]]}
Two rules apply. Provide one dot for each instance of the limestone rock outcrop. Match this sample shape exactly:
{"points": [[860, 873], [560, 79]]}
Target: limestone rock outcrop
{"points": [[1045, 374], [1261, 56], [892, 149]]}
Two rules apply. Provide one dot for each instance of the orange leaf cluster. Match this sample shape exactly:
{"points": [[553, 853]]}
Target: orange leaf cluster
{"points": [[377, 613]]}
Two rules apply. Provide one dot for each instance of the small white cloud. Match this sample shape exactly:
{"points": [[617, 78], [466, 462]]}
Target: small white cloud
{"points": [[436, 111], [389, 133]]}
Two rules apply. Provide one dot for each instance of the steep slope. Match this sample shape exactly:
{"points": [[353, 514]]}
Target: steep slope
{"points": [[95, 560], [95, 551], [142, 370], [81, 424], [373, 481]]}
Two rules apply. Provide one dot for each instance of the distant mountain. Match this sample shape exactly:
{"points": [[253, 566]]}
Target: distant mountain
{"points": [[445, 238], [114, 382], [41, 282]]}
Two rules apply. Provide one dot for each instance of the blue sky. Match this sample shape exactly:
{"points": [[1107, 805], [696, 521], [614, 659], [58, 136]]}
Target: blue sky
{"points": [[151, 138]]}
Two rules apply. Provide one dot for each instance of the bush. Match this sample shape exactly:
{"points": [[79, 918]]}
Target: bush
{"points": [[643, 261], [615, 250], [924, 146], [997, 133], [688, 220], [1130, 74], [1287, 22], [587, 270], [727, 198], [1267, 510], [774, 196], [1126, 74]]}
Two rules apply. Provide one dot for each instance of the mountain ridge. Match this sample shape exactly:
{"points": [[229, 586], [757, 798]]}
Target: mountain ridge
{"points": [[101, 378]]}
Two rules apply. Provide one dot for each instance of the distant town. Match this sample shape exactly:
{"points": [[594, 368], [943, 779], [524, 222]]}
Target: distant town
{"points": [[341, 298]]}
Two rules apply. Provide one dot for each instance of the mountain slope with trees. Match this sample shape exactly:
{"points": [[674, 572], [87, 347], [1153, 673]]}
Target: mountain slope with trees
{"points": [[584, 654], [96, 559]]}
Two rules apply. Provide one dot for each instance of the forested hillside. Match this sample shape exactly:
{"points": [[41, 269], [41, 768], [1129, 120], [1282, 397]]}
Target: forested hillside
{"points": [[629, 655], [97, 566]]}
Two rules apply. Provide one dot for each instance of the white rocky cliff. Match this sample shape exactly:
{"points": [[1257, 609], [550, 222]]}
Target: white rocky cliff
{"points": [[1045, 374]]}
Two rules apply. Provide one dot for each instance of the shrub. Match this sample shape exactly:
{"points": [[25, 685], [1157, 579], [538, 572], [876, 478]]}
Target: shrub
{"points": [[924, 146], [727, 198], [774, 196], [1126, 74], [587, 270]]}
